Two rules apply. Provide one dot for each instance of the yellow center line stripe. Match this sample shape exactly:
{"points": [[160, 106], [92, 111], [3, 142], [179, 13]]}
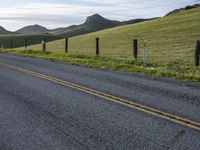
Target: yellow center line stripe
{"points": [[149, 110]]}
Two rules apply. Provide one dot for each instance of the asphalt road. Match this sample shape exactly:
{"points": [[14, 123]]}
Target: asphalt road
{"points": [[37, 114]]}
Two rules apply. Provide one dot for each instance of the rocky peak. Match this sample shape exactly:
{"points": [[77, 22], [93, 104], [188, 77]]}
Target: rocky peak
{"points": [[95, 18]]}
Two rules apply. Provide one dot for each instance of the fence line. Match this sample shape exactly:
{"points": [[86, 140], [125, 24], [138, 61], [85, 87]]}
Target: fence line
{"points": [[152, 55]]}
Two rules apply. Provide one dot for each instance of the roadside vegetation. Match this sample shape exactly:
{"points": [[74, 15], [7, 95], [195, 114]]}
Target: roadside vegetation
{"points": [[175, 71]]}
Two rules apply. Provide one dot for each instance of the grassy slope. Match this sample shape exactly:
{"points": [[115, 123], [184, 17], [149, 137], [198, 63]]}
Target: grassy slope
{"points": [[169, 39]]}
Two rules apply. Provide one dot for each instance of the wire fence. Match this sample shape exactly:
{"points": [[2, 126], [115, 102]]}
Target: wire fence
{"points": [[163, 53]]}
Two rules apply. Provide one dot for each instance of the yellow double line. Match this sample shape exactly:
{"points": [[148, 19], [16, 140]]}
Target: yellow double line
{"points": [[149, 110]]}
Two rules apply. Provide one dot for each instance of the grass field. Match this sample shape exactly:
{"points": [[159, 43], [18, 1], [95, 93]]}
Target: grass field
{"points": [[169, 39]]}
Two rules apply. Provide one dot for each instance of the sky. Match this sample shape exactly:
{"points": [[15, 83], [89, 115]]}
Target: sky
{"points": [[62, 13]]}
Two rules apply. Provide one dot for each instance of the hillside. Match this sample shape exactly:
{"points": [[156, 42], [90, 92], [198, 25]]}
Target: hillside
{"points": [[33, 29], [4, 31], [93, 23], [168, 39]]}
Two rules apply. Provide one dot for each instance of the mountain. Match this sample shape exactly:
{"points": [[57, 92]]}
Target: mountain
{"points": [[4, 31], [182, 9], [93, 23], [33, 29], [97, 22]]}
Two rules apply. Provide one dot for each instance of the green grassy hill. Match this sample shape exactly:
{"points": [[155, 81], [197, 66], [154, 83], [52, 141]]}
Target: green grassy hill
{"points": [[168, 39]]}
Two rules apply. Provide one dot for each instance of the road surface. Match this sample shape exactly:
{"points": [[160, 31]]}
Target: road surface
{"points": [[48, 105]]}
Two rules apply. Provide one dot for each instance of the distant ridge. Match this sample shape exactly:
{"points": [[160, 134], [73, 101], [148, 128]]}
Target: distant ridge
{"points": [[33, 29], [93, 23], [4, 31], [136, 21], [182, 9]]}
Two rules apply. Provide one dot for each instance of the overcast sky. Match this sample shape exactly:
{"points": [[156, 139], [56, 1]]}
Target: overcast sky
{"points": [[62, 13]]}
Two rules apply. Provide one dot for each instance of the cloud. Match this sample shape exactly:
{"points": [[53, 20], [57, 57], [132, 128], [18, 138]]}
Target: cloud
{"points": [[55, 14]]}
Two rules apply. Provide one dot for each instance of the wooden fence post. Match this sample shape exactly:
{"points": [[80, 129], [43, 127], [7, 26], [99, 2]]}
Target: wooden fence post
{"points": [[1, 45], [97, 46], [26, 43], [66, 45], [135, 48], [144, 54], [44, 45], [197, 53], [11, 44]]}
